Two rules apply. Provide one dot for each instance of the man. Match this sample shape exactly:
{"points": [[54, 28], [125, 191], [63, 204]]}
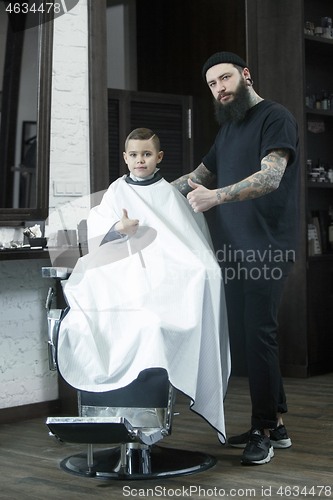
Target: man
{"points": [[255, 160]]}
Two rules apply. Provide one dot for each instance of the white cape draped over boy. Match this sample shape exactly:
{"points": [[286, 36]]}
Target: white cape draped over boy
{"points": [[151, 300]]}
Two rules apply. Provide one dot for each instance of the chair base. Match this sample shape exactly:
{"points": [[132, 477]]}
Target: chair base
{"points": [[164, 462]]}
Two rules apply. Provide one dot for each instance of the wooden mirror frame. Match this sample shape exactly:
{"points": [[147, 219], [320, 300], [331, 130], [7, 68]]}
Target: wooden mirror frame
{"points": [[18, 216], [98, 96]]}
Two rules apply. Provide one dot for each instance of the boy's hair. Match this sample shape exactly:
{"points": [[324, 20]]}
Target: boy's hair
{"points": [[143, 134]]}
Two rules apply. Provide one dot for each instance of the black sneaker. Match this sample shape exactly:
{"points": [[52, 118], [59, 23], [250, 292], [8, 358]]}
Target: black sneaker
{"points": [[258, 449], [279, 438]]}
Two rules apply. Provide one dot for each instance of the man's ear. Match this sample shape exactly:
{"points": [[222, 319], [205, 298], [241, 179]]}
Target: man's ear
{"points": [[125, 157], [160, 156], [246, 73]]}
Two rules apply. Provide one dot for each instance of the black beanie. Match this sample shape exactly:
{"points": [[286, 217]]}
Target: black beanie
{"points": [[222, 57]]}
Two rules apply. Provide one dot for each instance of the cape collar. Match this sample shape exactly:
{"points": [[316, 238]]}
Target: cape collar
{"points": [[157, 177]]}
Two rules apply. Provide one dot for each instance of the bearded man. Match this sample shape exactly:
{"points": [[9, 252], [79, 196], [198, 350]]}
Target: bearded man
{"points": [[255, 161]]}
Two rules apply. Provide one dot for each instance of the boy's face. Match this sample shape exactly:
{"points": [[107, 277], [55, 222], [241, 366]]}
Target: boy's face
{"points": [[141, 157]]}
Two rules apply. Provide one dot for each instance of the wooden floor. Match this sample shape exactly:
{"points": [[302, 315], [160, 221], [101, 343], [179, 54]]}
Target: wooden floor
{"points": [[29, 458]]}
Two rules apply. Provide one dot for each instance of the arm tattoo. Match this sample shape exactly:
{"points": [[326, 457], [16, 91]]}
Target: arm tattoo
{"points": [[201, 175], [260, 183], [182, 185]]}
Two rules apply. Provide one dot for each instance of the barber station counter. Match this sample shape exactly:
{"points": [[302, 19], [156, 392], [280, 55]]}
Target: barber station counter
{"points": [[23, 253], [59, 257]]}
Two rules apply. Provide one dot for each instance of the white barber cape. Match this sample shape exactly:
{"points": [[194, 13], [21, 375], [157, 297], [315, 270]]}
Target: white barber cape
{"points": [[151, 300]]}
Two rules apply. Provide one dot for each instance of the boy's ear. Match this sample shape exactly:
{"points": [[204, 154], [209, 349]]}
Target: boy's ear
{"points": [[160, 156], [125, 156]]}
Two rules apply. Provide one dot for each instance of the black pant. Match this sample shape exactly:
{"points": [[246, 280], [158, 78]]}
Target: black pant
{"points": [[253, 294]]}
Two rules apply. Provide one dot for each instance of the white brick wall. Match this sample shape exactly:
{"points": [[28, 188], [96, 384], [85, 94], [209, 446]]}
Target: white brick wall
{"points": [[69, 161], [24, 374]]}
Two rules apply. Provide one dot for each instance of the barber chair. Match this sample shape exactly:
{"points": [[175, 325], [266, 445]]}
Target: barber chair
{"points": [[134, 418]]}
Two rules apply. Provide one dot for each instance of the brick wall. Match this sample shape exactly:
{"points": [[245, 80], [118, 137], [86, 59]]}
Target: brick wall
{"points": [[69, 157], [24, 374]]}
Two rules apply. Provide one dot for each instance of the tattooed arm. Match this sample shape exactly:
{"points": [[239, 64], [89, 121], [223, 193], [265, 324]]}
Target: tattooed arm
{"points": [[201, 175], [266, 180]]}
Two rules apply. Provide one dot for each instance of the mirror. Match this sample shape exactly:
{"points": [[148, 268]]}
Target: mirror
{"points": [[25, 80]]}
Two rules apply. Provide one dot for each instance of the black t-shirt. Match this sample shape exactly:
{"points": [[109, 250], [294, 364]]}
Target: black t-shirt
{"points": [[266, 227]]}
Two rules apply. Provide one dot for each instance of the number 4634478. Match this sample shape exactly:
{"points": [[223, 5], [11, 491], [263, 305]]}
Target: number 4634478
{"points": [[298, 491], [24, 8]]}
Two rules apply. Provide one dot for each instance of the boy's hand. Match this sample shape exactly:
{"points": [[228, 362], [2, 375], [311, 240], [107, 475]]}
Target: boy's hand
{"points": [[126, 225]]}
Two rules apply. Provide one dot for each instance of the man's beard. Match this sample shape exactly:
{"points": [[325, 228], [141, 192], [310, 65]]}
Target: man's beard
{"points": [[235, 110]]}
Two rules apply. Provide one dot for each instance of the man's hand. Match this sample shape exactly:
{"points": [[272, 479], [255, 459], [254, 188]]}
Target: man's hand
{"points": [[201, 175], [126, 225], [201, 198]]}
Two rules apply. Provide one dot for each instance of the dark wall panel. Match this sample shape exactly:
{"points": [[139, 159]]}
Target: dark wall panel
{"points": [[174, 39]]}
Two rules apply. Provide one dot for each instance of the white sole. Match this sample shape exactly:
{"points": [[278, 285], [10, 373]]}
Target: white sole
{"points": [[281, 444], [263, 461]]}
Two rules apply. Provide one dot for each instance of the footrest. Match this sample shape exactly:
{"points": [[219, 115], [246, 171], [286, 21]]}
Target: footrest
{"points": [[92, 430], [62, 273]]}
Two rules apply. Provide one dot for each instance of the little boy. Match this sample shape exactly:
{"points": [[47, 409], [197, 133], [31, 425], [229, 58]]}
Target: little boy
{"points": [[149, 292], [142, 154]]}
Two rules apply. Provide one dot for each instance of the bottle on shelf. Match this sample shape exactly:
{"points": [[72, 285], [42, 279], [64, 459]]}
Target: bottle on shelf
{"points": [[326, 22], [309, 28], [310, 99], [330, 174], [330, 228], [309, 165], [324, 100], [318, 101], [319, 172]]}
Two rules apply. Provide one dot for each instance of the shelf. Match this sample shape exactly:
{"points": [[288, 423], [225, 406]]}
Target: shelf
{"points": [[322, 112], [327, 185], [321, 258], [320, 39]]}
